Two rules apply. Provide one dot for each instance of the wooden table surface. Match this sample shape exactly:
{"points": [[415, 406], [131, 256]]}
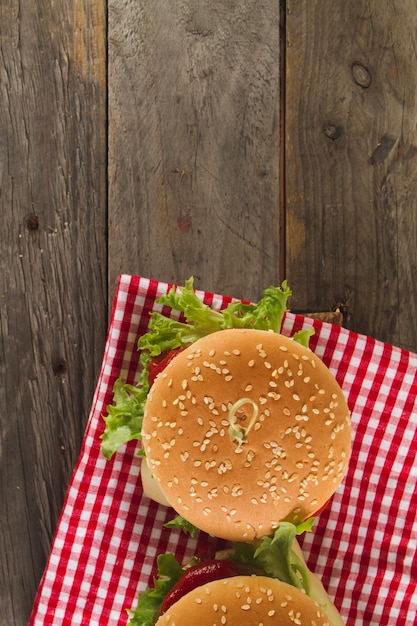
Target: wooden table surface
{"points": [[238, 142]]}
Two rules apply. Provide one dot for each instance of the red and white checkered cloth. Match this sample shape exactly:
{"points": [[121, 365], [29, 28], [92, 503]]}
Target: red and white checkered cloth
{"points": [[363, 545]]}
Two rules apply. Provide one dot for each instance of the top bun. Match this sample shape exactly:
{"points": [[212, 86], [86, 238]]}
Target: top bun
{"points": [[290, 442], [254, 600]]}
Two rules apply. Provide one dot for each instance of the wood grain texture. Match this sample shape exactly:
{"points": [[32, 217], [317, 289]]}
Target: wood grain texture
{"points": [[53, 291], [184, 174], [194, 142], [351, 166]]}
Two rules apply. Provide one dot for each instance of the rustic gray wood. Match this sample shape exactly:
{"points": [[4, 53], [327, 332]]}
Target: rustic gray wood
{"points": [[194, 142], [53, 279], [172, 165], [351, 166]]}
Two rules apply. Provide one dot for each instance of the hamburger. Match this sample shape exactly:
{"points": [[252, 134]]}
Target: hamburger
{"points": [[256, 600], [243, 429], [226, 590], [245, 433]]}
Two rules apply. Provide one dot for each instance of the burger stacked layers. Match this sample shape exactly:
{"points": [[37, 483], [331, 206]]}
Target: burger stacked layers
{"points": [[246, 435]]}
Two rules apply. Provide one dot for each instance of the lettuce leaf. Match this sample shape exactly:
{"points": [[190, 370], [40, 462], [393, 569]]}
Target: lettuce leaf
{"points": [[183, 524], [167, 334], [276, 557], [123, 421], [124, 417], [150, 601], [303, 336]]}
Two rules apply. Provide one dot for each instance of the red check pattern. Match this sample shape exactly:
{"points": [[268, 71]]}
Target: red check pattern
{"points": [[363, 545]]}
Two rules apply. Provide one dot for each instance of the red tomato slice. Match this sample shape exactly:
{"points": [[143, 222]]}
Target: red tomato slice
{"points": [[159, 363], [198, 575]]}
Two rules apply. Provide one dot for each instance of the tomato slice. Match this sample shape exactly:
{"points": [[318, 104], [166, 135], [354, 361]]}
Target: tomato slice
{"points": [[198, 575], [159, 363]]}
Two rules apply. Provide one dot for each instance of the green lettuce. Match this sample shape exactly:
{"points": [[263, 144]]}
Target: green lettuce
{"points": [[150, 601], [275, 555], [166, 333], [181, 523], [124, 417], [123, 421]]}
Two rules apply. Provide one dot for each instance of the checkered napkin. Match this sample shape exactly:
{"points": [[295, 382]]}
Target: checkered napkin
{"points": [[362, 546]]}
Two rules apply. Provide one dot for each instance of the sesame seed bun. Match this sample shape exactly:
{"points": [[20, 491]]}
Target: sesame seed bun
{"points": [[254, 600], [291, 438]]}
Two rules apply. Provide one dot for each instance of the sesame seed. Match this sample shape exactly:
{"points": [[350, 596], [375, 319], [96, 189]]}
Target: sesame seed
{"points": [[274, 395]]}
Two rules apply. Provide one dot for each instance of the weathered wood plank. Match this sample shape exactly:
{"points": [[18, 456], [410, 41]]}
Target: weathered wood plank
{"points": [[351, 167], [53, 290], [194, 142]]}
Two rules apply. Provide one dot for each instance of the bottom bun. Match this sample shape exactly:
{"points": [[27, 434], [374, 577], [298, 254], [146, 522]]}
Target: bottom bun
{"points": [[254, 600]]}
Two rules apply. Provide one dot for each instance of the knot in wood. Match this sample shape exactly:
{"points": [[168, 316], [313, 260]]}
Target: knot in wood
{"points": [[331, 131], [32, 222], [361, 75]]}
